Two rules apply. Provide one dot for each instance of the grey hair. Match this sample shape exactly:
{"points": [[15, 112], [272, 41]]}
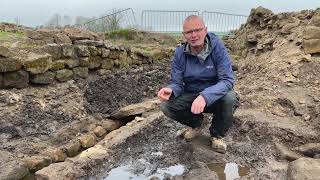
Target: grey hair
{"points": [[191, 17]]}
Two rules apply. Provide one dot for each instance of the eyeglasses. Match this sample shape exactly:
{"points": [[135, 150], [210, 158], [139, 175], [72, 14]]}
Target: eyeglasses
{"points": [[189, 33]]}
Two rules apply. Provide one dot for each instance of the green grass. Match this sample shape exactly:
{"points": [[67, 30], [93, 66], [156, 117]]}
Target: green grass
{"points": [[9, 35], [127, 34]]}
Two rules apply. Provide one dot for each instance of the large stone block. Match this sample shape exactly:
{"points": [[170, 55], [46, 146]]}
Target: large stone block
{"points": [[36, 163], [9, 64], [72, 148], [81, 72], [56, 155], [55, 50], [93, 51], [37, 63], [72, 63], [312, 32], [18, 79], [13, 170], [82, 51], [45, 78], [311, 46], [95, 62], [58, 65], [304, 168], [89, 43], [61, 38], [114, 54], [78, 34], [64, 75], [105, 52], [107, 64], [69, 51]]}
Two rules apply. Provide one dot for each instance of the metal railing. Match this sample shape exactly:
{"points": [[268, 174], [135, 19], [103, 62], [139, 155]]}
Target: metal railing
{"points": [[164, 21], [171, 21], [222, 23], [118, 19]]}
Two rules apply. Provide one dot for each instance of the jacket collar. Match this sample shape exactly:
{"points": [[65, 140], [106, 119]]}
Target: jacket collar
{"points": [[205, 51]]}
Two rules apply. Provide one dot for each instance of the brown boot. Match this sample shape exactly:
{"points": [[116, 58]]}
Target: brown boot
{"points": [[218, 145], [189, 133]]}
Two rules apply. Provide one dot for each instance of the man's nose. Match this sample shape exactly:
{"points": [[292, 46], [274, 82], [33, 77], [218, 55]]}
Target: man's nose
{"points": [[193, 33]]}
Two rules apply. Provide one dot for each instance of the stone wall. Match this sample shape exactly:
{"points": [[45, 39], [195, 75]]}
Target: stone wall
{"points": [[67, 54]]}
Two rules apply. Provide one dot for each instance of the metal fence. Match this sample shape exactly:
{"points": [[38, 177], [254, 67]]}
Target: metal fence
{"points": [[222, 23], [117, 19], [171, 21], [164, 21]]}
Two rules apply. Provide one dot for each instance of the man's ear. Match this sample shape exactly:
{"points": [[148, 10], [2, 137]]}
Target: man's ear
{"points": [[206, 29]]}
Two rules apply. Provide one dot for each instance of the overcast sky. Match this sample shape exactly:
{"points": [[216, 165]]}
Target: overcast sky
{"points": [[37, 12]]}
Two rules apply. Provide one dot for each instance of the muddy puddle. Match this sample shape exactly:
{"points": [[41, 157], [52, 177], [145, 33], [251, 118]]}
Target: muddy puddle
{"points": [[128, 172], [228, 171]]}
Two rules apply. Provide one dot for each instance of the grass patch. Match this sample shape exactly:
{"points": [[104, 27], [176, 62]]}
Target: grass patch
{"points": [[127, 34], [9, 35]]}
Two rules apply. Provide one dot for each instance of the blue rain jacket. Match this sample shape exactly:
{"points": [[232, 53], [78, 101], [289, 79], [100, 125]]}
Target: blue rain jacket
{"points": [[212, 77]]}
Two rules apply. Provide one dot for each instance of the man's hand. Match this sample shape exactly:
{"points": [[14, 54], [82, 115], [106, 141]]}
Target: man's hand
{"points": [[164, 94], [198, 105]]}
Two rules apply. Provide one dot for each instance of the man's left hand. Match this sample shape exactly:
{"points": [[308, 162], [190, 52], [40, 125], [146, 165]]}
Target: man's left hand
{"points": [[198, 105]]}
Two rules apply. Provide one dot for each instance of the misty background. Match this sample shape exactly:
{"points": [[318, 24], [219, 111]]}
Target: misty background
{"points": [[39, 12]]}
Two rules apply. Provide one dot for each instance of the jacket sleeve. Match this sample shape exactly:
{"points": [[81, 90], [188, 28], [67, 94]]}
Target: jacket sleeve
{"points": [[225, 75], [176, 76]]}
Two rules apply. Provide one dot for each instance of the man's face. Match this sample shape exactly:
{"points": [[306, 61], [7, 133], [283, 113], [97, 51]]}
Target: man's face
{"points": [[194, 32]]}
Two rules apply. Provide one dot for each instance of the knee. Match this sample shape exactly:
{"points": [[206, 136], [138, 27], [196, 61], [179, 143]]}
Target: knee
{"points": [[229, 98], [165, 109]]}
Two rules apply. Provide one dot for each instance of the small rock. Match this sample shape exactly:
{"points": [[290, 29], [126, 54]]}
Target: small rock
{"points": [[139, 119], [93, 151], [306, 117], [99, 131], [72, 148], [56, 155], [306, 58], [88, 140], [317, 156], [110, 125], [36, 163]]}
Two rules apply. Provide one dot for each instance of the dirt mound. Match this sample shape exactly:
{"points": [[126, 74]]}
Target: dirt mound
{"points": [[275, 63]]}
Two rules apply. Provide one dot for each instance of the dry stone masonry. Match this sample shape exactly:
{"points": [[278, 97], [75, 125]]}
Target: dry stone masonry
{"points": [[66, 54]]}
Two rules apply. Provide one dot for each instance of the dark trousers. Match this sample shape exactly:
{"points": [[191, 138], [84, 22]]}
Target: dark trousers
{"points": [[179, 109]]}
